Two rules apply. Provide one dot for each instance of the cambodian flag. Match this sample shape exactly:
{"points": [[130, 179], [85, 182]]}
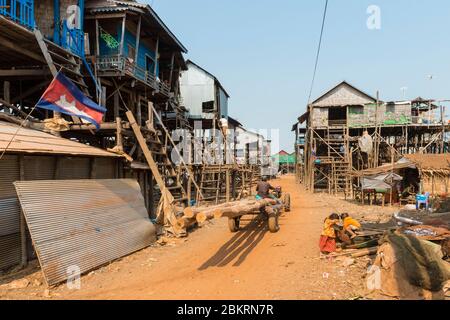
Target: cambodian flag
{"points": [[65, 97]]}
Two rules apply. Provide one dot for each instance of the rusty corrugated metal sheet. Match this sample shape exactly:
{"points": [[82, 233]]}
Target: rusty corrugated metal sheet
{"points": [[84, 223], [9, 212], [33, 141], [11, 256]]}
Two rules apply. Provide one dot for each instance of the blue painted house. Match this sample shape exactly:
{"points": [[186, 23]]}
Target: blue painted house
{"points": [[60, 21], [128, 39]]}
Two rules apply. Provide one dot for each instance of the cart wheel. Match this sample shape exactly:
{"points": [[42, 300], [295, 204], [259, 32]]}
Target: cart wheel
{"points": [[287, 202], [273, 223], [233, 224]]}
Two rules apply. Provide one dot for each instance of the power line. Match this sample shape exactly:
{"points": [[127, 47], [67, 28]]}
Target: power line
{"points": [[318, 51]]}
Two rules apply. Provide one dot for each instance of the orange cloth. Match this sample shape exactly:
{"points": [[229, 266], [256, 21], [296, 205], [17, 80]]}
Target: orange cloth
{"points": [[349, 221], [328, 230], [327, 245]]}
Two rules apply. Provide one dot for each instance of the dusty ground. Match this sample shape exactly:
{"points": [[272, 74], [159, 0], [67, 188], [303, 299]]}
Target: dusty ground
{"points": [[213, 263]]}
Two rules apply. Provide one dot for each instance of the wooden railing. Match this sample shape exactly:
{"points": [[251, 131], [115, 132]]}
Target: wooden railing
{"points": [[72, 39], [125, 65]]}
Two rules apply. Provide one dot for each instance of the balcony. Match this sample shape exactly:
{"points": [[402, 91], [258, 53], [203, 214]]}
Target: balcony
{"points": [[123, 65], [19, 11]]}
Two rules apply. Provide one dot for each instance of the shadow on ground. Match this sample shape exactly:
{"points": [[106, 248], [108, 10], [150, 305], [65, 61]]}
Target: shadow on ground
{"points": [[239, 246]]}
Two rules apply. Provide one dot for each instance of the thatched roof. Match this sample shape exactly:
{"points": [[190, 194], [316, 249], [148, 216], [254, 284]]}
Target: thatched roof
{"points": [[431, 162]]}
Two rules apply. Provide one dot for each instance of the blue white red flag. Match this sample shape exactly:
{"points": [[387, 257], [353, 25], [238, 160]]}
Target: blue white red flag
{"points": [[65, 97]]}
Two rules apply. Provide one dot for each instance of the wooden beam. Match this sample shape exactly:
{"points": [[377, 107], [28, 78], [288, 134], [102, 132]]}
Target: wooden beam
{"points": [[105, 16], [148, 155], [8, 44], [23, 72]]}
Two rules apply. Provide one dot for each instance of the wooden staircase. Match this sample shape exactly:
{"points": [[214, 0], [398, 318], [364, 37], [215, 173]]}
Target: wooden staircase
{"points": [[59, 59], [167, 178]]}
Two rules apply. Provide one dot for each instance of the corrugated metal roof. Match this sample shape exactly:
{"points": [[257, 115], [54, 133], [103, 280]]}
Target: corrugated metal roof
{"points": [[121, 6], [33, 141], [84, 223]]}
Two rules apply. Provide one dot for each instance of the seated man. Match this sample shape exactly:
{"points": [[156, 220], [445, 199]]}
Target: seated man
{"points": [[350, 225], [263, 189]]}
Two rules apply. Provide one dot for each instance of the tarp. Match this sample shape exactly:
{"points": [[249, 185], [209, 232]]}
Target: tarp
{"points": [[381, 181]]}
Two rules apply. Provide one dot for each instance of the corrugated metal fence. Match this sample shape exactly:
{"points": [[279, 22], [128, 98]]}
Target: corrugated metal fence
{"points": [[84, 223], [37, 168]]}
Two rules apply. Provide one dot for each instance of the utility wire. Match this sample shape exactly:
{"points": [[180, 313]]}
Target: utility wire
{"points": [[17, 131], [318, 51]]}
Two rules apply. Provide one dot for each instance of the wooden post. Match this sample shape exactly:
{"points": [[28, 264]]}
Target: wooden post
{"points": [[97, 38], [103, 98], [172, 61], [156, 56], [138, 38], [150, 195], [228, 182], [189, 191], [138, 110], [116, 105], [119, 141], [122, 36], [23, 226], [6, 91], [92, 168]]}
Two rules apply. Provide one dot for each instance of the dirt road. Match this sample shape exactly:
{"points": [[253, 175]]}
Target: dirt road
{"points": [[216, 264]]}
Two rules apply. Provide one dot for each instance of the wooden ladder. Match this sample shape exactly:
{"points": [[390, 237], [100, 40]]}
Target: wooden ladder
{"points": [[162, 168]]}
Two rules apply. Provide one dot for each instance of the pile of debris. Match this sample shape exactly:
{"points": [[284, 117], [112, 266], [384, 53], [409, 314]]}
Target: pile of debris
{"points": [[410, 260]]}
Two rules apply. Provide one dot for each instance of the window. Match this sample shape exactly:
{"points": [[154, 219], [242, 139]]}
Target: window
{"points": [[208, 106], [149, 64], [390, 108], [131, 52], [356, 110]]}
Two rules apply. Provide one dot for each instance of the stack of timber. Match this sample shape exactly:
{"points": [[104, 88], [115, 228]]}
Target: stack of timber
{"points": [[193, 215]]}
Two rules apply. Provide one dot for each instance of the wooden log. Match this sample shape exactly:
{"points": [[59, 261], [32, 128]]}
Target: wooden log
{"points": [[243, 209], [205, 216], [184, 222], [365, 252], [191, 212]]}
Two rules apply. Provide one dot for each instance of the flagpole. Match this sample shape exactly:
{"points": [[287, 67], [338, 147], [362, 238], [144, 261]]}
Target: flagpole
{"points": [[24, 120]]}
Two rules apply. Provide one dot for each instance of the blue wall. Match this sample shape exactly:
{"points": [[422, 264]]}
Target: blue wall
{"points": [[130, 39]]}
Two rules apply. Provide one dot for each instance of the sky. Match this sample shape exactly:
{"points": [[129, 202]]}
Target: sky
{"points": [[263, 52]]}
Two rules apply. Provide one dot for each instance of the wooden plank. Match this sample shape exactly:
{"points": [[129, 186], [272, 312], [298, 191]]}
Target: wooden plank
{"points": [[47, 57], [147, 153], [23, 72], [17, 48]]}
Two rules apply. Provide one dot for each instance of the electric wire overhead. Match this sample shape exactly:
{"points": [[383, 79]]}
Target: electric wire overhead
{"points": [[318, 50]]}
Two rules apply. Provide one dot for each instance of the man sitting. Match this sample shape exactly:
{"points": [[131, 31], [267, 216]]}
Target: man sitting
{"points": [[263, 189]]}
